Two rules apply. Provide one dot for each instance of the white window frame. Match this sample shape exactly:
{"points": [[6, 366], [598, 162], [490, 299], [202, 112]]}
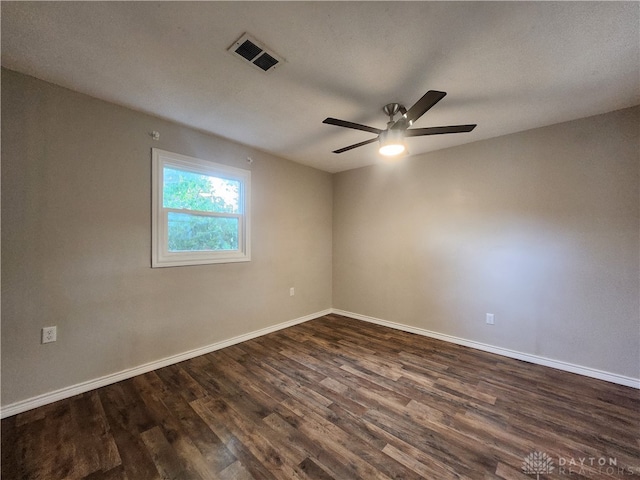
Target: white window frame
{"points": [[160, 254]]}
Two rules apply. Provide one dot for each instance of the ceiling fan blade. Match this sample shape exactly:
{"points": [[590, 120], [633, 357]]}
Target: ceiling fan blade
{"points": [[417, 132], [355, 126], [351, 147], [427, 101]]}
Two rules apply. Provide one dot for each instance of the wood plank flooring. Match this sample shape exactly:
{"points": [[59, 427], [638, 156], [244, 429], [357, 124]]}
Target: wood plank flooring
{"points": [[333, 398]]}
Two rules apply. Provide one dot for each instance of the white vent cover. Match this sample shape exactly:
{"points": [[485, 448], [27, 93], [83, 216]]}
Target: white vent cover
{"points": [[255, 53]]}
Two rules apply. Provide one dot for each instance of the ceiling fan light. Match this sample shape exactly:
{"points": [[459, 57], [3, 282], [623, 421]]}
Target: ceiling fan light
{"points": [[391, 150], [392, 143]]}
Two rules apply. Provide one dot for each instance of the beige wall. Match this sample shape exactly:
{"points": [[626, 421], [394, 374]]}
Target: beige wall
{"points": [[540, 228], [76, 243]]}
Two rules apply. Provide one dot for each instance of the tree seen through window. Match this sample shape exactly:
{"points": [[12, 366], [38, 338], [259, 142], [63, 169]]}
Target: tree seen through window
{"points": [[193, 194]]}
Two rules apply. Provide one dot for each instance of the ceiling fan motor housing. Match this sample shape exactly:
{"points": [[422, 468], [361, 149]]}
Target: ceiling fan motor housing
{"points": [[392, 142]]}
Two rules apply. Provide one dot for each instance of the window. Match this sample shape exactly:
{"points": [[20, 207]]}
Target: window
{"points": [[200, 211]]}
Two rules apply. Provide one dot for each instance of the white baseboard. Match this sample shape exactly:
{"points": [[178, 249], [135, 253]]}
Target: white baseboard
{"points": [[47, 398], [547, 362]]}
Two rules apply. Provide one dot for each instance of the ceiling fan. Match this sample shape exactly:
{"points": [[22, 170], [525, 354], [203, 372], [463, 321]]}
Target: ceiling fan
{"points": [[392, 140]]}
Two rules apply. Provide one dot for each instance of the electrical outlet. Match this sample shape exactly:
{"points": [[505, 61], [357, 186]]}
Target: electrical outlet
{"points": [[49, 334], [489, 318], [292, 292]]}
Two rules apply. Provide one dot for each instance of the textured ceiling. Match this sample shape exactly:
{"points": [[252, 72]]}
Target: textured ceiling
{"points": [[507, 66]]}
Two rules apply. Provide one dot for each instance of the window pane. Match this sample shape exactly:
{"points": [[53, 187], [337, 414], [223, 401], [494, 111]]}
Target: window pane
{"points": [[192, 233], [195, 191]]}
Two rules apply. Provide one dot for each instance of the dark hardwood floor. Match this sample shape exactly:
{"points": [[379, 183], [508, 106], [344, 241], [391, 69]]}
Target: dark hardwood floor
{"points": [[334, 398]]}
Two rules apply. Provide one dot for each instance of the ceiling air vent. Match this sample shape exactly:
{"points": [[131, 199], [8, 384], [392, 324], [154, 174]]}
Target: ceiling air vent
{"points": [[256, 53]]}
